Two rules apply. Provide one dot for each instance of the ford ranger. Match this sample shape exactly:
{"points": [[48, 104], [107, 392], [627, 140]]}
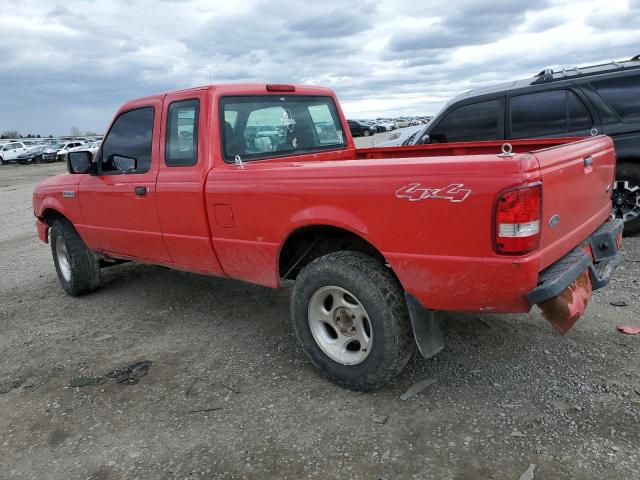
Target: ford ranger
{"points": [[263, 183]]}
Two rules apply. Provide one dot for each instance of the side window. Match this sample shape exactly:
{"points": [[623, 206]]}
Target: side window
{"points": [[181, 147], [579, 118], [127, 147], [478, 121], [539, 114], [623, 95]]}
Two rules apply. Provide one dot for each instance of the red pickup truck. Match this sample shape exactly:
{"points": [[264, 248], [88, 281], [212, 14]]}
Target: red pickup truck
{"points": [[263, 183]]}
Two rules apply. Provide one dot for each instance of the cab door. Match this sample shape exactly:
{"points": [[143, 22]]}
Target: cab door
{"points": [[184, 166], [119, 201]]}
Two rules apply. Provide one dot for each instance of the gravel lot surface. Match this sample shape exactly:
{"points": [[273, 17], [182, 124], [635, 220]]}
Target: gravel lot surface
{"points": [[229, 395]]}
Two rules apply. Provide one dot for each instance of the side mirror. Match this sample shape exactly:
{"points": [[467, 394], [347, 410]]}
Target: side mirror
{"points": [[425, 139], [78, 162], [124, 164]]}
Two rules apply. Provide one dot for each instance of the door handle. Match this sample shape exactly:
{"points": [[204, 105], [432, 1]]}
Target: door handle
{"points": [[141, 191], [588, 161]]}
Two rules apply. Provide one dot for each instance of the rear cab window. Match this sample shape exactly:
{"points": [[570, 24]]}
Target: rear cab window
{"points": [[268, 126]]}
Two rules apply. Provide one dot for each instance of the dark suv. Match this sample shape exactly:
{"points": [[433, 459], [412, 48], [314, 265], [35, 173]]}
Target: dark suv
{"points": [[576, 102]]}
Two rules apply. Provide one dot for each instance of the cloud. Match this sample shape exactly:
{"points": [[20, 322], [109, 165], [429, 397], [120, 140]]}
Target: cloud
{"points": [[74, 62]]}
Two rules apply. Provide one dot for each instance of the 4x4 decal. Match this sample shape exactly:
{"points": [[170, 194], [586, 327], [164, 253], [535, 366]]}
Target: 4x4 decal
{"points": [[415, 192]]}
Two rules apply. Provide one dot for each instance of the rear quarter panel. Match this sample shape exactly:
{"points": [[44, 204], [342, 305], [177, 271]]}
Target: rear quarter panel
{"points": [[441, 250]]}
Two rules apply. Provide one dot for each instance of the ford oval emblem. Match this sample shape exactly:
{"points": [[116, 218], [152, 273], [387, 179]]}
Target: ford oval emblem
{"points": [[554, 221]]}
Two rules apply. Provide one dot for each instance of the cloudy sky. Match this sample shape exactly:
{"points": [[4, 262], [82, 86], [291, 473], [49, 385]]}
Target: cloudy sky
{"points": [[72, 63]]}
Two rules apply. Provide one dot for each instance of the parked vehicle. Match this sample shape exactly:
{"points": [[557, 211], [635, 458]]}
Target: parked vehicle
{"points": [[378, 239], [62, 153], [10, 151], [359, 129], [32, 155], [403, 136], [92, 148], [388, 125], [575, 102], [52, 152], [402, 122]]}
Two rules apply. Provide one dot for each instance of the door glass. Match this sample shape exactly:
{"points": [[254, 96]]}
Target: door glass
{"points": [[623, 95], [539, 114], [579, 118], [478, 121], [181, 147], [130, 136]]}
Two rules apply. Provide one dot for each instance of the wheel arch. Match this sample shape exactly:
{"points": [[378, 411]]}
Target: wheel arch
{"points": [[307, 242]]}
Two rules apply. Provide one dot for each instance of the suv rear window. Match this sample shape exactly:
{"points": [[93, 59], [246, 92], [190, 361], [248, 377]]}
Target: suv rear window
{"points": [[256, 127], [555, 112], [623, 95], [468, 123]]}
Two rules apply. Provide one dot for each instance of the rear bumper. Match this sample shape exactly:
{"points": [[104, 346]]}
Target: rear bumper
{"points": [[599, 255]]}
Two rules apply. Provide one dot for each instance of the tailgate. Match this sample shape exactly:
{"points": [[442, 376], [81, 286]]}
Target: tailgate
{"points": [[577, 179]]}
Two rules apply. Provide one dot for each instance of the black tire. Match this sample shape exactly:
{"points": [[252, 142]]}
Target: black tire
{"points": [[83, 267], [373, 285], [630, 173], [367, 133], [1, 161]]}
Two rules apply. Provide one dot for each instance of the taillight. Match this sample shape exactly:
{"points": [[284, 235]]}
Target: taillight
{"points": [[518, 214]]}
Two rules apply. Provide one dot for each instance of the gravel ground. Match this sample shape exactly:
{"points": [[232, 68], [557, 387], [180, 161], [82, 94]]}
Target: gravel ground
{"points": [[229, 395]]}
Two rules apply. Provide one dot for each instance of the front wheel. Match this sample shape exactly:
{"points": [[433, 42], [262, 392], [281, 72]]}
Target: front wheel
{"points": [[367, 133], [78, 269], [350, 315], [626, 196]]}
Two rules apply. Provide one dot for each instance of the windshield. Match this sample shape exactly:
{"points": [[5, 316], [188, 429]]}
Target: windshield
{"points": [[35, 149], [258, 127]]}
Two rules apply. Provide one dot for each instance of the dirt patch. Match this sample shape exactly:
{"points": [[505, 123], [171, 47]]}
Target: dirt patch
{"points": [[509, 392]]}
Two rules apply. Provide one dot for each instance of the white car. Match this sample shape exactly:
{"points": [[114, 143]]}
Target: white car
{"points": [[10, 151], [400, 136], [62, 153], [92, 148], [402, 122]]}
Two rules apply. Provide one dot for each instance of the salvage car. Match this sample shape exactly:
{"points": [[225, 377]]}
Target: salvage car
{"points": [[359, 129], [32, 155], [52, 153], [10, 151], [89, 147], [579, 101], [379, 241]]}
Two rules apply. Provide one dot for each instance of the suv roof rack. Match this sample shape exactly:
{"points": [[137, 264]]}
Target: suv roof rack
{"points": [[548, 75]]}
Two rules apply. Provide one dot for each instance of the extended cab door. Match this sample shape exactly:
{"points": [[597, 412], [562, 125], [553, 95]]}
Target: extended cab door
{"points": [[119, 202], [184, 165]]}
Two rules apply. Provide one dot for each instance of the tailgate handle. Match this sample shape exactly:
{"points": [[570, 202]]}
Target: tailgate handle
{"points": [[588, 161]]}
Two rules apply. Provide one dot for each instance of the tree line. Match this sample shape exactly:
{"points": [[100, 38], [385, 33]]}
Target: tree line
{"points": [[75, 132]]}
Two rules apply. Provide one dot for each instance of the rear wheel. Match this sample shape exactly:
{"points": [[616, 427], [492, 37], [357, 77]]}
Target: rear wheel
{"points": [[626, 196], [350, 316], [78, 269]]}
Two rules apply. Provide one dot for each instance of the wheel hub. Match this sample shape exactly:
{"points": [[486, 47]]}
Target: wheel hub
{"points": [[343, 319], [340, 325]]}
